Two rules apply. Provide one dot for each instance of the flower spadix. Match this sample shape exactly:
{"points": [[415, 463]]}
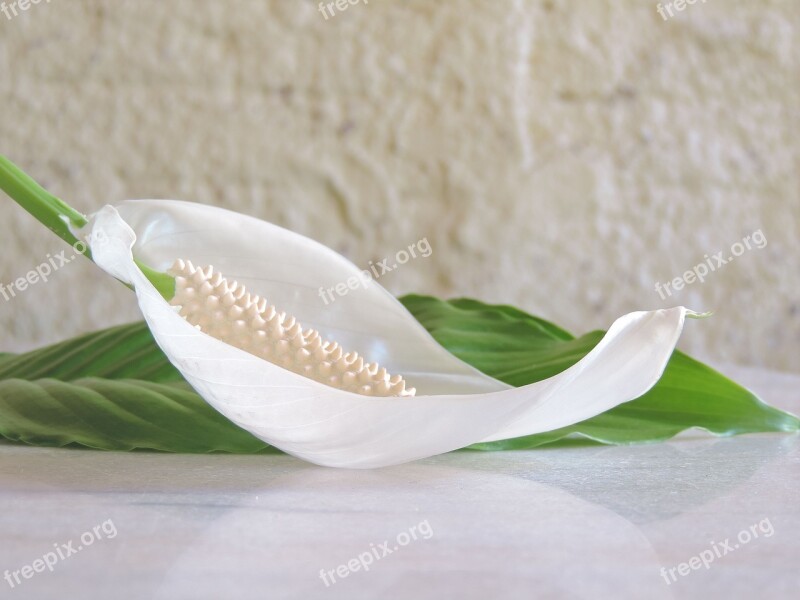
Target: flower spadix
{"points": [[454, 406], [226, 310]]}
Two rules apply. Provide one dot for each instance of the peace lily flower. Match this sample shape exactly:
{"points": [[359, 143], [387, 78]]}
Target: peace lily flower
{"points": [[295, 401]]}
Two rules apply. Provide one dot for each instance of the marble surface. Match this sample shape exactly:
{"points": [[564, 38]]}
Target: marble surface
{"points": [[570, 522]]}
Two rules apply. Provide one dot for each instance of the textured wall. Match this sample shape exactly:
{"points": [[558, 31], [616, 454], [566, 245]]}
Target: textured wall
{"points": [[560, 155]]}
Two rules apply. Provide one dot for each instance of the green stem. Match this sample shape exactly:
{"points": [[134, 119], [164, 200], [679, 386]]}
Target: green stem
{"points": [[55, 214], [58, 216]]}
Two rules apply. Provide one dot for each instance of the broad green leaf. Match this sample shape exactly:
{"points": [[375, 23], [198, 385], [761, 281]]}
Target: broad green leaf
{"points": [[473, 315], [501, 341], [121, 414], [114, 389], [123, 352]]}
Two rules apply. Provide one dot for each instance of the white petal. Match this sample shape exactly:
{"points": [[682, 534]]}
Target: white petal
{"points": [[288, 270], [335, 428]]}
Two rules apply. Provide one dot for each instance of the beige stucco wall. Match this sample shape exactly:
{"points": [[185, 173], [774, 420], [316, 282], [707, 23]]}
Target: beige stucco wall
{"points": [[560, 155]]}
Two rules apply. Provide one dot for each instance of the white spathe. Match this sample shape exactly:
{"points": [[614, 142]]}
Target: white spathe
{"points": [[455, 404]]}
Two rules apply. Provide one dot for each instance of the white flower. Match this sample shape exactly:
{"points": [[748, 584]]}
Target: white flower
{"points": [[455, 405]]}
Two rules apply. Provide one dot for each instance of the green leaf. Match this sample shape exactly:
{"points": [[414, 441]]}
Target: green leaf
{"points": [[115, 389], [501, 341], [466, 314], [123, 352], [121, 414]]}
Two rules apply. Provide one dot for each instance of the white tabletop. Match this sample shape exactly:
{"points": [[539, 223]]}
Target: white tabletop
{"points": [[570, 522]]}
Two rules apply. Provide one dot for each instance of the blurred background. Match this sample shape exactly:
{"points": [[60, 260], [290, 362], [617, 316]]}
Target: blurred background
{"points": [[564, 156]]}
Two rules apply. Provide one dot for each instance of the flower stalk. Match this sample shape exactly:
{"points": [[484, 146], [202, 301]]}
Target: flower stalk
{"points": [[60, 218]]}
